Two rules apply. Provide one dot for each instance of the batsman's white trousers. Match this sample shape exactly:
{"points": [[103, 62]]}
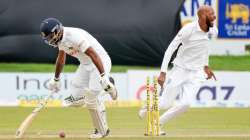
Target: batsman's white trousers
{"points": [[182, 82], [88, 77]]}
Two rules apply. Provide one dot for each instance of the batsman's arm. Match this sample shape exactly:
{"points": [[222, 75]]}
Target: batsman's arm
{"points": [[96, 59], [60, 61]]}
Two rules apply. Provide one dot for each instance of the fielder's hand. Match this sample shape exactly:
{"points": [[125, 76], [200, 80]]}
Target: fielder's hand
{"points": [[209, 73], [161, 79], [54, 85]]}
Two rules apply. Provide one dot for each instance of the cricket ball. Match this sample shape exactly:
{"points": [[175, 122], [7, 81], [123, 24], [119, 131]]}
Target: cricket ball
{"points": [[62, 134]]}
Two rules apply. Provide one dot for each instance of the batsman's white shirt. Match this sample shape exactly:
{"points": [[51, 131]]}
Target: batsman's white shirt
{"points": [[75, 42], [194, 52]]}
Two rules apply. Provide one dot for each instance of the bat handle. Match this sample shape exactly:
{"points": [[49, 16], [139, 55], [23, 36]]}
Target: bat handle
{"points": [[43, 103]]}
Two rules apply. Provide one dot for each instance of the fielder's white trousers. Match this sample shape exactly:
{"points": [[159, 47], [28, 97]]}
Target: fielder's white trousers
{"points": [[182, 82]]}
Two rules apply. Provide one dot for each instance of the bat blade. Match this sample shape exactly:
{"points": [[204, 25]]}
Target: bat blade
{"points": [[28, 120], [25, 124]]}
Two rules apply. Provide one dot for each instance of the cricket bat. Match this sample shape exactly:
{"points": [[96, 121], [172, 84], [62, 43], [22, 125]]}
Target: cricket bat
{"points": [[28, 120]]}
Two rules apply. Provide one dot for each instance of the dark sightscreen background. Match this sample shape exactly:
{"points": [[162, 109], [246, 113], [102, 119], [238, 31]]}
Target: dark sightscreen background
{"points": [[134, 32]]}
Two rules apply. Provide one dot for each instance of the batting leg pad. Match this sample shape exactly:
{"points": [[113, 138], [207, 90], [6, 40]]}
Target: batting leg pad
{"points": [[97, 112], [98, 118]]}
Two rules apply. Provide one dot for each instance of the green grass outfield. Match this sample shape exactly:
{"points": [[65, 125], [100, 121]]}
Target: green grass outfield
{"points": [[229, 63], [196, 124]]}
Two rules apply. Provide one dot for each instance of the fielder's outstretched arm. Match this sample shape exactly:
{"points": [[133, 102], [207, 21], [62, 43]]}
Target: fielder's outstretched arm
{"points": [[96, 59], [60, 61], [179, 38]]}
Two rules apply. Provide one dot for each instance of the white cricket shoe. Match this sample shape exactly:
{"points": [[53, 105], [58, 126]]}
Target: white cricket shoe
{"points": [[74, 102], [142, 112], [161, 132], [97, 135]]}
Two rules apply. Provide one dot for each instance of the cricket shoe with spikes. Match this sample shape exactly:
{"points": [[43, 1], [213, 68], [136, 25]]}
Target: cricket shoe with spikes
{"points": [[72, 101], [161, 131], [97, 135]]}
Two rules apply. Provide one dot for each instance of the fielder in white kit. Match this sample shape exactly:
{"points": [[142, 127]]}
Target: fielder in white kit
{"points": [[92, 76], [190, 65]]}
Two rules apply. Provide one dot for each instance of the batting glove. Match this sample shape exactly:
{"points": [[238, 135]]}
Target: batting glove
{"points": [[54, 84], [108, 86]]}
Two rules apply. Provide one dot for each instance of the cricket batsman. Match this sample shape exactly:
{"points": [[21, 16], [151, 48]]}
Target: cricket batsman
{"points": [[92, 76], [190, 66]]}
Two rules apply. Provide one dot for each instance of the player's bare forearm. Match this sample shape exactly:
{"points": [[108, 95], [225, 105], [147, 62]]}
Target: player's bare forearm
{"points": [[161, 78], [96, 59], [209, 73], [60, 61]]}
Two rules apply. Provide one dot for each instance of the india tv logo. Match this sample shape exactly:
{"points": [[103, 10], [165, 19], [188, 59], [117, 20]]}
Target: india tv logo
{"points": [[238, 12]]}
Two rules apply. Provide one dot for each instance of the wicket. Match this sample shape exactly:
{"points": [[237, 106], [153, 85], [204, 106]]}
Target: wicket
{"points": [[153, 127]]}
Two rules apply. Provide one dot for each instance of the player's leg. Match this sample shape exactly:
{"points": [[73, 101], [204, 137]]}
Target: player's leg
{"points": [[176, 77], [172, 88], [97, 111], [79, 82], [96, 107], [170, 91], [80, 89], [166, 100], [189, 89], [168, 97]]}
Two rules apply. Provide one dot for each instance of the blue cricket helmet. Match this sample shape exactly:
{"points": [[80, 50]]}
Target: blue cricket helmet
{"points": [[51, 31]]}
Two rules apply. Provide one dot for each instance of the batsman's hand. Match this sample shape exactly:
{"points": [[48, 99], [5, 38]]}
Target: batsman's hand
{"points": [[54, 85], [106, 84], [161, 79], [209, 73]]}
